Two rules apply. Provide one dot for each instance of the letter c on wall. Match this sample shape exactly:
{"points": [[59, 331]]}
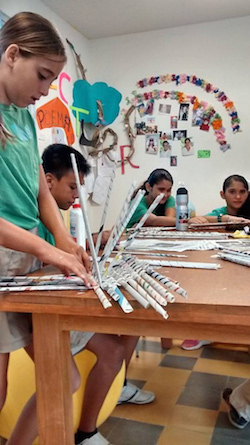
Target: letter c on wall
{"points": [[62, 76]]}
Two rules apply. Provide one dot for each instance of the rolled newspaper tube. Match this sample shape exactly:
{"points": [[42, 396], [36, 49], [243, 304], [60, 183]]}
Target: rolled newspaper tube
{"points": [[135, 294], [117, 295], [111, 291], [120, 226], [144, 218], [160, 289], [123, 302], [157, 307], [121, 216], [42, 288], [170, 284], [85, 219], [152, 292], [105, 210], [132, 282], [127, 200], [235, 259], [102, 297], [185, 264], [132, 252]]}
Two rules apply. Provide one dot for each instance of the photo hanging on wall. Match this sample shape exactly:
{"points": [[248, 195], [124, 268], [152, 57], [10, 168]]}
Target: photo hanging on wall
{"points": [[179, 134], [174, 122], [163, 135], [187, 147], [173, 161], [165, 149], [151, 143], [183, 112], [164, 109]]}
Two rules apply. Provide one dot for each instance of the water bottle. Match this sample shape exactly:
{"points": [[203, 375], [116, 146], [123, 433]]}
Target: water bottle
{"points": [[182, 209], [77, 227]]}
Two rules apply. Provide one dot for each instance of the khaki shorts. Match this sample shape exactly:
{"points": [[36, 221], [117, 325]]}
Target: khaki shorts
{"points": [[15, 328], [79, 340]]}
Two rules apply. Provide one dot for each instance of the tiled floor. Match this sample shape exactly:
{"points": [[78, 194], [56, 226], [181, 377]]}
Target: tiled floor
{"points": [[188, 407]]}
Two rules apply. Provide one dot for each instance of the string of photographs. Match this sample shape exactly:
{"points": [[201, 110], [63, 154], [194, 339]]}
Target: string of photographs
{"points": [[162, 140], [207, 86]]}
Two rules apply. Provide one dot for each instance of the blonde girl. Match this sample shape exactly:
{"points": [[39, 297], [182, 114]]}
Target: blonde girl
{"points": [[31, 57]]}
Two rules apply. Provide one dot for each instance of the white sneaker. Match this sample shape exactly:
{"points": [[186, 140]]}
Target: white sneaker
{"points": [[192, 345], [132, 394], [96, 439]]}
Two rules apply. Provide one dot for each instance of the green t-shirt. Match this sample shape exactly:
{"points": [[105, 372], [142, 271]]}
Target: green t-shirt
{"points": [[218, 212], [143, 207], [45, 234], [19, 169]]}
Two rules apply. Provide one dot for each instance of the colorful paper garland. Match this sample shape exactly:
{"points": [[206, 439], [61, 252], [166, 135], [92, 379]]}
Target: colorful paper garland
{"points": [[207, 86]]}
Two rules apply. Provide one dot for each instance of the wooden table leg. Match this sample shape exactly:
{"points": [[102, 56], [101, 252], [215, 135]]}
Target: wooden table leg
{"points": [[166, 343], [53, 381]]}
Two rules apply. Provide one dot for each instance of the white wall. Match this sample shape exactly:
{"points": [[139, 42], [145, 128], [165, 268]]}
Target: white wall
{"points": [[218, 52]]}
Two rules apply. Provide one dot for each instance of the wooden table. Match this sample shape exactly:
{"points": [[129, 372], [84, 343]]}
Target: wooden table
{"points": [[218, 308]]}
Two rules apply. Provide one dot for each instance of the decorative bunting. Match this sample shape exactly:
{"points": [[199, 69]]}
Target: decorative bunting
{"points": [[207, 86]]}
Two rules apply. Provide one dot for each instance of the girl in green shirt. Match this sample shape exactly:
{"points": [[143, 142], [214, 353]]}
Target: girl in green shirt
{"points": [[159, 181], [235, 191]]}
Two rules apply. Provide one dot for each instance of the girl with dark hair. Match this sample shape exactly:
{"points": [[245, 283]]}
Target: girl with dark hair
{"points": [[235, 191], [236, 194], [159, 181]]}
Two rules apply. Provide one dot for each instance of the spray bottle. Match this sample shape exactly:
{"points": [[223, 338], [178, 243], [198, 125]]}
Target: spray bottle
{"points": [[182, 208], [77, 227]]}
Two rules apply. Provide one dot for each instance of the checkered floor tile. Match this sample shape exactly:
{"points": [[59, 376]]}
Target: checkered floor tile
{"points": [[188, 408]]}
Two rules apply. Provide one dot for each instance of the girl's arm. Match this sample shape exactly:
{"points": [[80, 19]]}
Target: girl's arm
{"points": [[199, 220], [51, 218], [15, 238], [170, 212], [154, 220], [214, 219], [162, 221]]}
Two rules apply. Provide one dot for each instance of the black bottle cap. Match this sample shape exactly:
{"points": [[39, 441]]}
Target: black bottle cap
{"points": [[182, 191]]}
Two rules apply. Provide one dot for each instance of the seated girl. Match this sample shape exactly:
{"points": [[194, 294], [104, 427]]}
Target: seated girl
{"points": [[235, 191], [159, 181]]}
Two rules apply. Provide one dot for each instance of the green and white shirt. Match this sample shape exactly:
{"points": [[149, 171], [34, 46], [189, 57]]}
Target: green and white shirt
{"points": [[19, 169]]}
